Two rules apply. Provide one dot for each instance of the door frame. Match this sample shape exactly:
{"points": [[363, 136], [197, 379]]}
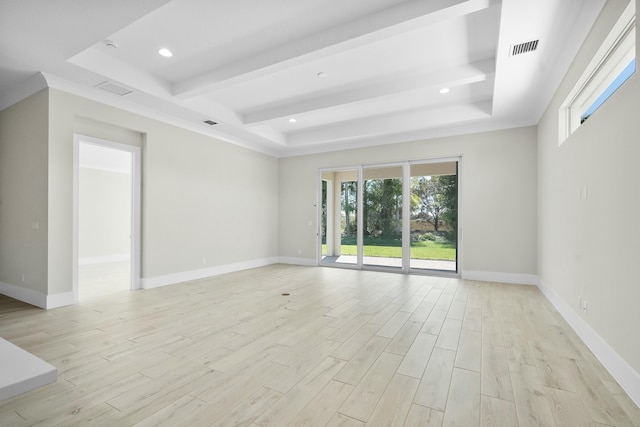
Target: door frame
{"points": [[136, 184]]}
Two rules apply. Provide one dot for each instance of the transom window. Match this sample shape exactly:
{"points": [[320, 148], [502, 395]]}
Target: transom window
{"points": [[610, 67]]}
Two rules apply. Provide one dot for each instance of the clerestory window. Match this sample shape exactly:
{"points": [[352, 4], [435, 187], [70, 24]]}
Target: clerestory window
{"points": [[611, 66]]}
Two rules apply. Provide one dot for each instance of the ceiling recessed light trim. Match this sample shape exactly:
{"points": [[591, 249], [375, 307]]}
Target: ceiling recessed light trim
{"points": [[163, 51], [292, 120], [445, 90], [322, 75]]}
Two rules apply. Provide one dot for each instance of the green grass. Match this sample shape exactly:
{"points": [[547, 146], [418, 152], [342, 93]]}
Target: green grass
{"points": [[391, 248]]}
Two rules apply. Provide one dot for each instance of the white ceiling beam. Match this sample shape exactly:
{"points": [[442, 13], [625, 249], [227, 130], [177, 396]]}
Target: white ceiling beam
{"points": [[392, 21], [390, 124], [450, 77]]}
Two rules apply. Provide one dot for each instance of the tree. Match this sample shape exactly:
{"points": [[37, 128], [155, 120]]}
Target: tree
{"points": [[383, 205], [449, 188], [438, 199]]}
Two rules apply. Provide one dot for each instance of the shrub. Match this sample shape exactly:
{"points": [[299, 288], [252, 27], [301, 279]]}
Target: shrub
{"points": [[427, 236]]}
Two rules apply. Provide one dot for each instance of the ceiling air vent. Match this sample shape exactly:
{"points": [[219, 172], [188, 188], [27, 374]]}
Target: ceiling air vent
{"points": [[525, 47], [114, 88], [210, 122]]}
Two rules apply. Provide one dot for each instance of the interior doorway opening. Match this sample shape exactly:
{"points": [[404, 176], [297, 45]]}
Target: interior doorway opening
{"points": [[106, 218]]}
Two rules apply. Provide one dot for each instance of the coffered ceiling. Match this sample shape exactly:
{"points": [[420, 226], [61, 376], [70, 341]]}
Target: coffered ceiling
{"points": [[288, 77]]}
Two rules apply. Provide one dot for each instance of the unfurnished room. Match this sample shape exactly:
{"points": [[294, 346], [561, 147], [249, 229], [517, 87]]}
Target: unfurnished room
{"points": [[319, 213]]}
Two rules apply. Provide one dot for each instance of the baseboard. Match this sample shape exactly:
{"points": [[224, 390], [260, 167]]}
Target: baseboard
{"points": [[24, 294], [187, 276], [37, 298], [491, 276], [619, 369], [298, 261], [103, 259]]}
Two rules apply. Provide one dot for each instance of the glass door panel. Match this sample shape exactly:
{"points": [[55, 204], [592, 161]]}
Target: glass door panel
{"points": [[434, 216], [339, 229], [382, 216]]}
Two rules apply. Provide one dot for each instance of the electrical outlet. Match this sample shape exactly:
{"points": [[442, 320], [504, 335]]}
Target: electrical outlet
{"points": [[585, 307], [204, 260]]}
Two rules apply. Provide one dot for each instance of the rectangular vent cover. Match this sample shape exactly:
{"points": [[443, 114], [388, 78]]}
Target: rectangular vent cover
{"points": [[210, 122], [114, 88], [521, 48]]}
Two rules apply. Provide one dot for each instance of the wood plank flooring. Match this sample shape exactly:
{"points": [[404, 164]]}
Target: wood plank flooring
{"points": [[345, 348]]}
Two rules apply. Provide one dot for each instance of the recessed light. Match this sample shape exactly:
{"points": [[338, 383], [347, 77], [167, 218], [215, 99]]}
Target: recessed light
{"points": [[292, 120], [444, 90], [111, 44], [322, 75], [165, 52]]}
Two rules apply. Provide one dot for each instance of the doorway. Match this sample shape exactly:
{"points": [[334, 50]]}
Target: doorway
{"points": [[339, 211], [391, 217], [106, 217]]}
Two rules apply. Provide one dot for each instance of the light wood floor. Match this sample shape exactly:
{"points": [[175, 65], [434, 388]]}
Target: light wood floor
{"points": [[345, 348], [99, 280]]}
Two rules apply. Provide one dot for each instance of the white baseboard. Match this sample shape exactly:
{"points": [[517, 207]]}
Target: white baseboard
{"points": [[310, 262], [103, 259], [187, 276], [491, 276], [619, 369], [37, 298], [24, 294]]}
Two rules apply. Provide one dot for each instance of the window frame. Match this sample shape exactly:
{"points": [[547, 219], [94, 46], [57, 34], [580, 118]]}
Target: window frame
{"points": [[613, 56]]}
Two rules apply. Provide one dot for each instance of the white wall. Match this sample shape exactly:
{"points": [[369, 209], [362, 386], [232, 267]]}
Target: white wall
{"points": [[23, 196], [591, 248], [498, 196], [104, 214], [201, 197]]}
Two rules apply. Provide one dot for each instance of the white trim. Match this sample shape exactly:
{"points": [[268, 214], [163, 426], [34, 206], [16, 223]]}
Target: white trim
{"points": [[60, 300], [243, 139], [104, 259], [26, 295], [307, 262], [36, 298], [623, 373], [499, 277], [187, 276], [20, 92]]}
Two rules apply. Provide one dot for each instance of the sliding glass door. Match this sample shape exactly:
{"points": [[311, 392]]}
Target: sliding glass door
{"points": [[397, 216], [434, 216], [382, 216]]}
